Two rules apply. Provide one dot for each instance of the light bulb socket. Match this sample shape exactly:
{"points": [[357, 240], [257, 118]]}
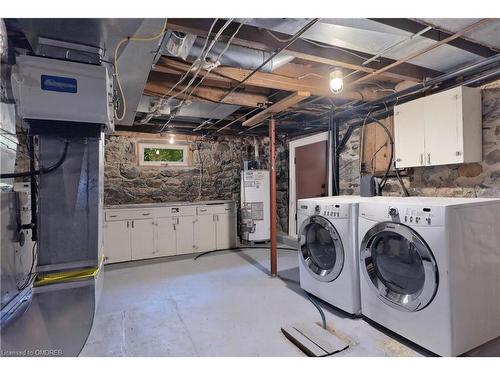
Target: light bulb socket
{"points": [[336, 81]]}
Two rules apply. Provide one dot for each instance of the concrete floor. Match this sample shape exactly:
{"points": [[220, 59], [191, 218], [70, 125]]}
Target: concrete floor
{"points": [[223, 304]]}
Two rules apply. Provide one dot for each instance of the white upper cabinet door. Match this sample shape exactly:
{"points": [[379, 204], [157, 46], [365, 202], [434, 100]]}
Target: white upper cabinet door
{"points": [[165, 237], [184, 230], [204, 234], [226, 229], [142, 238], [117, 241], [443, 128], [409, 134]]}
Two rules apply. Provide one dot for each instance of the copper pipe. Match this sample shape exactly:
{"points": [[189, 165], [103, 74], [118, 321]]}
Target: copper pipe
{"points": [[272, 195]]}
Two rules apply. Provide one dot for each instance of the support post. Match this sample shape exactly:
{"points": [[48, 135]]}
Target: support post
{"points": [[272, 195]]}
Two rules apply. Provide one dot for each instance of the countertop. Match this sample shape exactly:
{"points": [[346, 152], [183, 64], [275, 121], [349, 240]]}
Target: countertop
{"points": [[165, 204]]}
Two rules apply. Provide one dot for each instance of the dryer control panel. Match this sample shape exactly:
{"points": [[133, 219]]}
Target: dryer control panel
{"points": [[409, 214]]}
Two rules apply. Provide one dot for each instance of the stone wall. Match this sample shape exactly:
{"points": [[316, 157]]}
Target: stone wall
{"points": [[217, 163], [458, 180]]}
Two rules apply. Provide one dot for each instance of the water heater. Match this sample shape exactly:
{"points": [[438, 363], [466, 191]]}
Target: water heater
{"points": [[255, 201]]}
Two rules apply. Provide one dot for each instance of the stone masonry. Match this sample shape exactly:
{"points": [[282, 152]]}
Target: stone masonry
{"points": [[458, 180], [217, 163]]}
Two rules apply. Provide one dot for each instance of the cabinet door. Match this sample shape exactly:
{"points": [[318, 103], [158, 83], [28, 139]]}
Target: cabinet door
{"points": [[165, 237], [409, 134], [205, 233], [142, 238], [225, 231], [184, 232], [443, 128], [117, 241]]}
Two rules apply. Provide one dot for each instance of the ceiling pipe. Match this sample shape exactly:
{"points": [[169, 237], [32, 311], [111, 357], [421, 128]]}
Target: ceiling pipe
{"points": [[469, 28], [296, 36], [469, 69], [239, 57]]}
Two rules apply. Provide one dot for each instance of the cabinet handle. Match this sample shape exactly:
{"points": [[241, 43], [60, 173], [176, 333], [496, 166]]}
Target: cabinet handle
{"points": [[175, 228], [128, 224], [421, 159], [112, 215], [132, 223], [428, 159]]}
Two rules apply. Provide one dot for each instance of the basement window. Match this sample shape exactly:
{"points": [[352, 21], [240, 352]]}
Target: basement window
{"points": [[163, 155]]}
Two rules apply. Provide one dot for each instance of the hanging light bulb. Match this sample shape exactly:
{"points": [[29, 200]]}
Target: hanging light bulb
{"points": [[171, 139], [336, 81], [157, 152]]}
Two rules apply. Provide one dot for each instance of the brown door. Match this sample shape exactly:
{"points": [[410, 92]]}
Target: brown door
{"points": [[311, 170]]}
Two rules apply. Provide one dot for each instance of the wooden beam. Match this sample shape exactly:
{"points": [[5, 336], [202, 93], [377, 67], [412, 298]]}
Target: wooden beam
{"points": [[318, 86], [276, 108], [160, 88], [254, 37], [316, 81], [438, 34], [411, 56]]}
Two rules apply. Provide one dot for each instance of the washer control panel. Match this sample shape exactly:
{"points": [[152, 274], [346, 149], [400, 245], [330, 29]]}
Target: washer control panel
{"points": [[335, 211]]}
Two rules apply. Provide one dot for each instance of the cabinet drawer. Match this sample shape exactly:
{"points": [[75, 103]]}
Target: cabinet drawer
{"points": [[114, 215], [216, 209], [175, 211]]}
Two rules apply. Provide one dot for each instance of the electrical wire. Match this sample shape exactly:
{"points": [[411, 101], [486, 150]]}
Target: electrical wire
{"points": [[31, 275], [272, 56], [42, 169], [405, 190], [206, 73], [117, 75], [241, 248], [322, 45]]}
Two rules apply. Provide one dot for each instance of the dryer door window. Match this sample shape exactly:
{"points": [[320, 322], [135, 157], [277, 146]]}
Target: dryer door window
{"points": [[400, 266], [321, 250]]}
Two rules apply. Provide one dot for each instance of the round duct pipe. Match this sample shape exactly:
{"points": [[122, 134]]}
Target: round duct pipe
{"points": [[237, 56]]}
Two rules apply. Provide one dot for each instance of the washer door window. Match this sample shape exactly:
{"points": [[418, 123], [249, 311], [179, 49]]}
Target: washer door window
{"points": [[399, 266], [321, 249]]}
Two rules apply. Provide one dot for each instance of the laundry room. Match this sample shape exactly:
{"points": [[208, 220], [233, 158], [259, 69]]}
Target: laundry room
{"points": [[186, 184]]}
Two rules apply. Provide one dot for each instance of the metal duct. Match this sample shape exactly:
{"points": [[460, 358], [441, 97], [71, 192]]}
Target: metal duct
{"points": [[237, 56]]}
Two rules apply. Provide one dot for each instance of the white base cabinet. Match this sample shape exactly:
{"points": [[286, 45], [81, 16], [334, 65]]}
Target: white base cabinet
{"points": [[136, 233]]}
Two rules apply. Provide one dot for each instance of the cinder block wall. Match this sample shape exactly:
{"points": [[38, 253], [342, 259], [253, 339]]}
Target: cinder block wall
{"points": [[458, 180], [221, 160]]}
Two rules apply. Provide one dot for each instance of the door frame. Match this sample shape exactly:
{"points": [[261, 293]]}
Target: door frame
{"points": [[318, 137]]}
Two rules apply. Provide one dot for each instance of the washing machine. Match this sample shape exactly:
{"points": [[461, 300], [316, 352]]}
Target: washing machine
{"points": [[430, 269], [328, 251]]}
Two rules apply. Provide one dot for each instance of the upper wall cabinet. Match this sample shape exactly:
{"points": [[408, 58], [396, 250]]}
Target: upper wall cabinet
{"points": [[443, 128]]}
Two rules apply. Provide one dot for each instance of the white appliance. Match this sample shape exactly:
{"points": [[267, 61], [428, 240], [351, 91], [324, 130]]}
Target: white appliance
{"points": [[429, 269], [49, 89], [328, 251], [255, 196]]}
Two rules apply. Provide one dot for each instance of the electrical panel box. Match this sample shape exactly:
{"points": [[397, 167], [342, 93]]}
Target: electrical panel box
{"points": [[58, 90], [439, 129]]}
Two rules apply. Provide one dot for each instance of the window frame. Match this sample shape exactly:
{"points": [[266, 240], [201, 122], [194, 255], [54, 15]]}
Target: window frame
{"points": [[183, 147]]}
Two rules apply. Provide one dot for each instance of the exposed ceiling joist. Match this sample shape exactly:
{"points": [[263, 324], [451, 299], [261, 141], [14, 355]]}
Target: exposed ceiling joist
{"points": [[413, 27], [315, 81], [254, 37], [411, 56], [160, 88], [277, 107]]}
